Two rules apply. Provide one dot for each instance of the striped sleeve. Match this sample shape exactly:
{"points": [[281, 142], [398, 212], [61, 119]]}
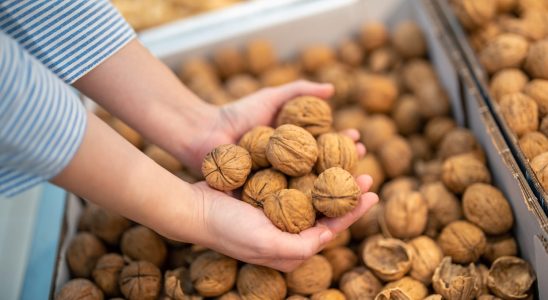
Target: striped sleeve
{"points": [[69, 37], [43, 121]]}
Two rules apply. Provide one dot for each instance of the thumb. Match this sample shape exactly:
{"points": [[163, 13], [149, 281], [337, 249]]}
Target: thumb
{"points": [[289, 91], [303, 245]]}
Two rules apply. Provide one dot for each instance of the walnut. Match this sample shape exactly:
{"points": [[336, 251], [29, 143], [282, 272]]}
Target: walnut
{"points": [[360, 284], [529, 25], [164, 159], [297, 297], [260, 56], [303, 183], [433, 100], [341, 239], [461, 171], [79, 289], [463, 241], [537, 60], [239, 86], [507, 50], [230, 296], [367, 225], [141, 243], [398, 185], [198, 68], [434, 297], [437, 128], [520, 113], [279, 75], [404, 288], [373, 35], [406, 115], [350, 53], [420, 148], [527, 5], [229, 62], [485, 206], [538, 164], [262, 184], [174, 284], [127, 132], [140, 280], [226, 167], [290, 210], [396, 156], [511, 277], [483, 273], [82, 254], [473, 14], [428, 171], [377, 93], [544, 125], [454, 281], [383, 59], [335, 192], [390, 259], [483, 35], [308, 112], [537, 89], [106, 225], [342, 80], [376, 130], [458, 141], [292, 150], [312, 276], [336, 150], [416, 73], [213, 274], [107, 272], [341, 259], [443, 206], [255, 141], [408, 40], [427, 255], [316, 57], [371, 166], [330, 294], [405, 215], [256, 283], [500, 246], [348, 117]]}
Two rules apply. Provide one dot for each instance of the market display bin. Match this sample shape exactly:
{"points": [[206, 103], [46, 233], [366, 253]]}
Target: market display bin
{"points": [[304, 23]]}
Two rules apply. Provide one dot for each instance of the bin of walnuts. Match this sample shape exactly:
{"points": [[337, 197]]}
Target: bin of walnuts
{"points": [[440, 231]]}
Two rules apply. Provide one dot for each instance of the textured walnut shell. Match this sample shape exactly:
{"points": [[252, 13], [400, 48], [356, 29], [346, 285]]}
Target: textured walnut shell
{"points": [[406, 115], [377, 130], [398, 185], [303, 183], [341, 259], [434, 297], [463, 241], [342, 80], [507, 81], [433, 100], [290, 210], [437, 128], [213, 274], [377, 93], [279, 75], [368, 224], [416, 73], [396, 156], [226, 167], [308, 112], [408, 40], [520, 113], [427, 255], [173, 284], [350, 53], [229, 62], [473, 14], [260, 56], [405, 288], [457, 141], [405, 215], [483, 274], [336, 150], [454, 281], [255, 141], [461, 171], [360, 284], [140, 280], [292, 150], [312, 276], [533, 144], [106, 225], [241, 85], [537, 89], [79, 289], [330, 294], [443, 206], [536, 62], [335, 192], [507, 50], [511, 277], [316, 57], [371, 166], [485, 206], [164, 159], [348, 117], [107, 272], [141, 243], [500, 246], [373, 35], [539, 166], [82, 254], [262, 184], [257, 283], [230, 296], [390, 259], [482, 36]]}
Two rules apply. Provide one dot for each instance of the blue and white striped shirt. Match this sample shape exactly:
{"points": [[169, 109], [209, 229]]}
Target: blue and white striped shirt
{"points": [[42, 44]]}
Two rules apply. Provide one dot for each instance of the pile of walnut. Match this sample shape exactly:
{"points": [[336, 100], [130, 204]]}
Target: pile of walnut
{"points": [[440, 231], [511, 39]]}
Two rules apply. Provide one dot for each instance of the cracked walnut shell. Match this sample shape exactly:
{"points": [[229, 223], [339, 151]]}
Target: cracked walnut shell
{"points": [[290, 210], [461, 171], [226, 167], [255, 141], [463, 241], [79, 289], [140, 280], [336, 150], [335, 192], [520, 113], [308, 112], [312, 276], [405, 288], [405, 215], [454, 281], [213, 274], [510, 277], [292, 150], [390, 259], [485, 206], [262, 184], [258, 283]]}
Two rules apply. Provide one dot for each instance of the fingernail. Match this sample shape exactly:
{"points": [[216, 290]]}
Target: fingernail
{"points": [[325, 237]]}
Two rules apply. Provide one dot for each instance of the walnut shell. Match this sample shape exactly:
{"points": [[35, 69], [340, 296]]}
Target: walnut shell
{"points": [[342, 80], [350, 53], [405, 215], [82, 254], [312, 276], [229, 61], [316, 57], [106, 225], [376, 131], [173, 284], [308, 112], [290, 210], [505, 6], [507, 81], [538, 164], [260, 56], [383, 59], [292, 150], [437, 128], [483, 273], [377, 93], [396, 156], [454, 281], [257, 283], [500, 246], [279, 75], [303, 183], [482, 36], [255, 141], [107, 273], [390, 259], [348, 117], [473, 14], [416, 73], [330, 294], [398, 185], [420, 147], [406, 115], [79, 289], [463, 241], [537, 60], [227, 167], [408, 40], [341, 259], [511, 277], [141, 243], [507, 50], [461, 171], [335, 192], [360, 284], [537, 89], [230, 296], [544, 125], [336, 150], [443, 206], [428, 171], [427, 255], [520, 113], [140, 280], [373, 35], [433, 100], [404, 288], [213, 274], [371, 166], [297, 297], [485, 206], [434, 297], [239, 86], [368, 224], [164, 159], [262, 184], [458, 141]]}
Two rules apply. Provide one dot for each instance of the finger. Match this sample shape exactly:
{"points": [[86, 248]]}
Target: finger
{"points": [[339, 224], [301, 246], [364, 182], [289, 91], [360, 148], [352, 133]]}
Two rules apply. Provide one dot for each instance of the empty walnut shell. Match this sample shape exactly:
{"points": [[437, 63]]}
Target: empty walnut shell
{"points": [[350, 53], [82, 254], [173, 284], [405, 215], [463, 241], [537, 89], [500, 246], [368, 224], [141, 243], [290, 210], [537, 60], [373, 35], [229, 61], [140, 280], [316, 57], [255, 141], [443, 206], [261, 185], [213, 274], [454, 281], [257, 283], [457, 141], [376, 130], [360, 284], [292, 150], [335, 192], [260, 56], [377, 93], [336, 150], [405, 288], [303, 183], [437, 128], [107, 273], [485, 206], [348, 117], [507, 81], [520, 113], [396, 156], [507, 50], [539, 166], [533, 144], [341, 259], [226, 167], [242, 85], [106, 225], [79, 289], [371, 166], [330, 294], [390, 259], [408, 40], [473, 14], [312, 276], [427, 255], [308, 112], [461, 171], [511, 277]]}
